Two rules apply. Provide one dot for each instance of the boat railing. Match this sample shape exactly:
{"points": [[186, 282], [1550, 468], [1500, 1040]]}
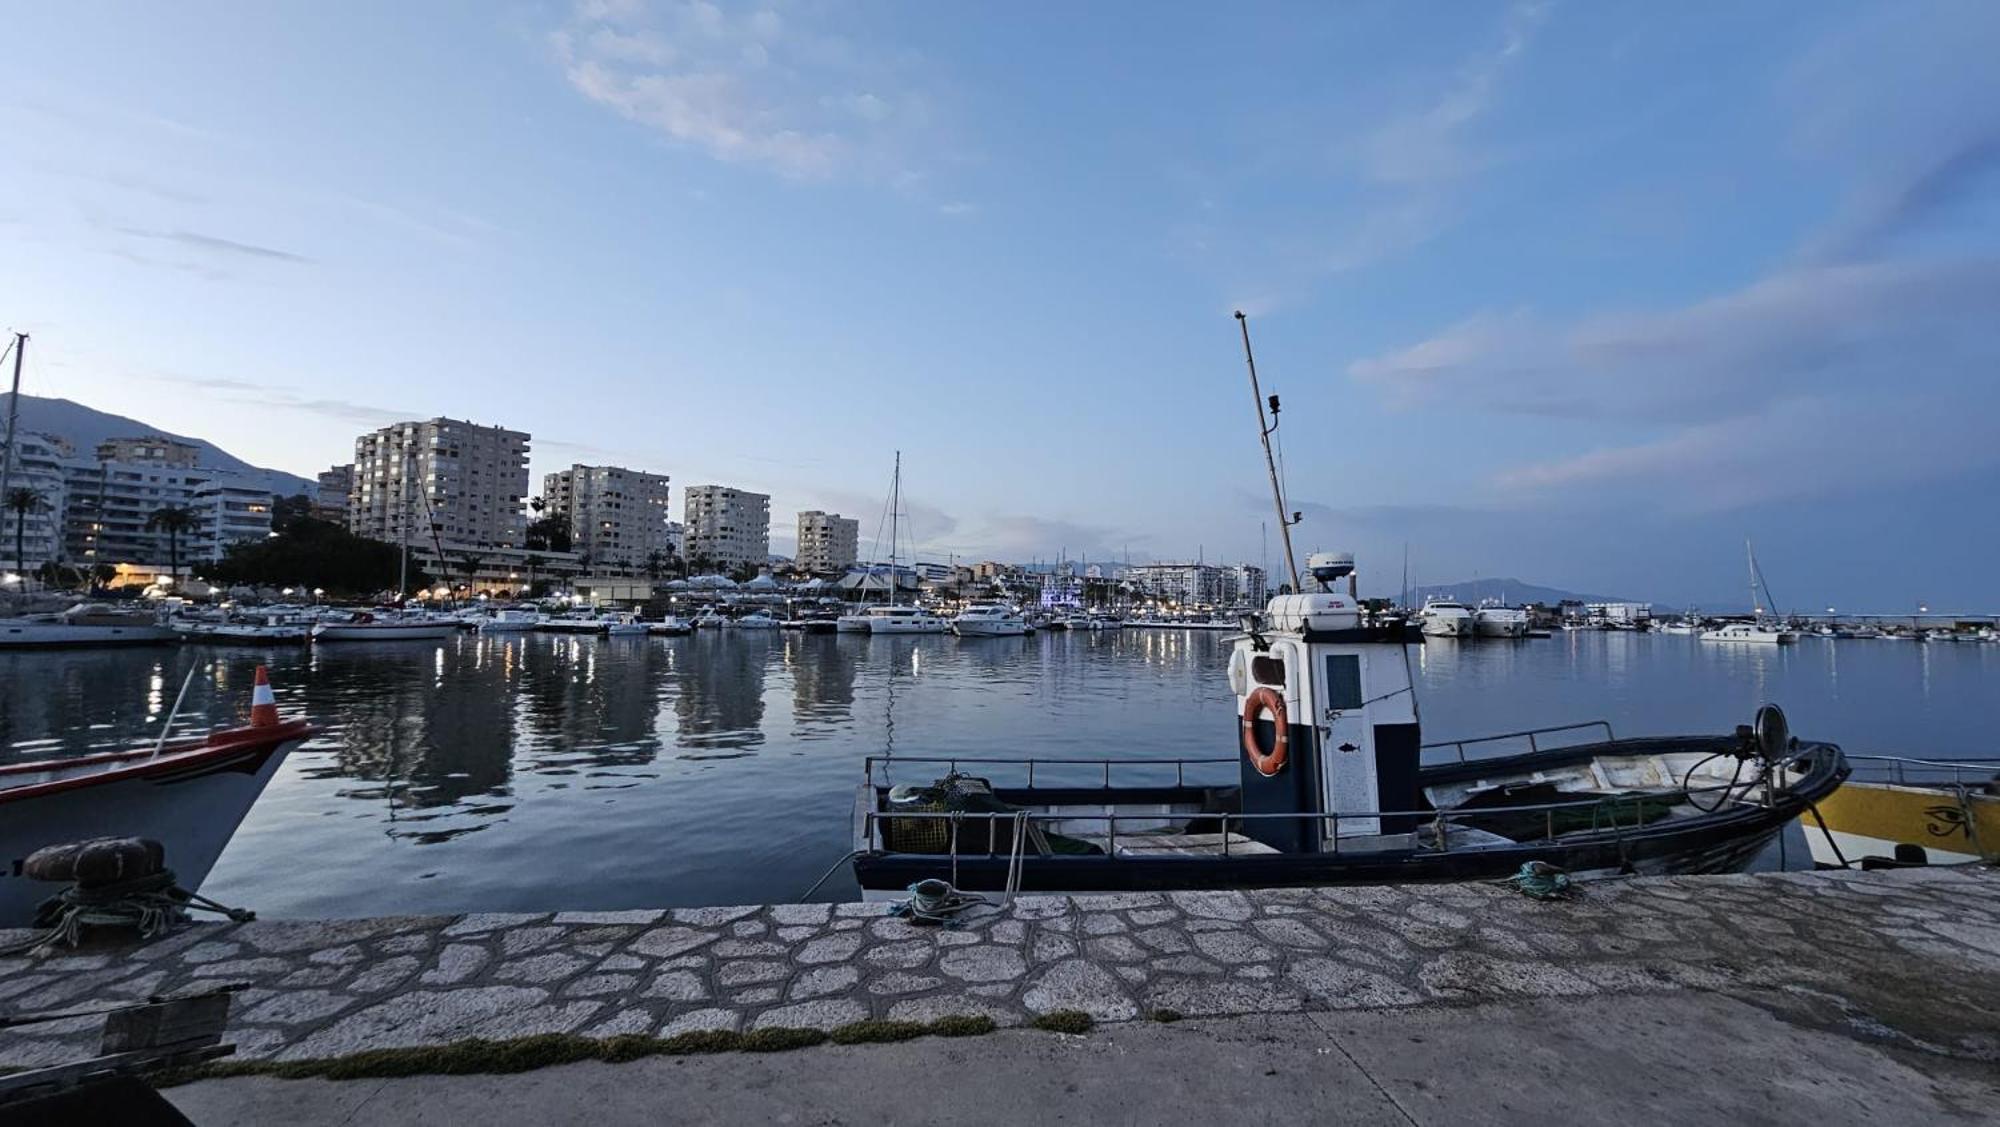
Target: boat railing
{"points": [[1606, 813], [1532, 735], [1103, 766], [1905, 770]]}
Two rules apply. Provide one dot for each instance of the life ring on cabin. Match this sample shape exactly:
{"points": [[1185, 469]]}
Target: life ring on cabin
{"points": [[1264, 698]]}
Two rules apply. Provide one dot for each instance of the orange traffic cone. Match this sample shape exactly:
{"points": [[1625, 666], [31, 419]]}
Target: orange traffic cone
{"points": [[263, 705]]}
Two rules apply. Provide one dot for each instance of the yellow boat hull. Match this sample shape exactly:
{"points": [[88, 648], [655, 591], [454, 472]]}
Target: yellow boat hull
{"points": [[1867, 819]]}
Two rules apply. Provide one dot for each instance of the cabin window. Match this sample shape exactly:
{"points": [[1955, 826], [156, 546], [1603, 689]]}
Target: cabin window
{"points": [[1268, 671], [1343, 682]]}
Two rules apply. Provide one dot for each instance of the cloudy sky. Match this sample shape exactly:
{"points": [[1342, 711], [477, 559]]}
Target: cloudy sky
{"points": [[1578, 293]]}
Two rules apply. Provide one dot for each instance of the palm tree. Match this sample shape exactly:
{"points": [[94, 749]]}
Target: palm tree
{"points": [[21, 501], [532, 561], [654, 561], [172, 520], [471, 563]]}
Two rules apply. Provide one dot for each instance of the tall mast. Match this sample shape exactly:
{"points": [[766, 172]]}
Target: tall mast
{"points": [[13, 418], [403, 521], [1270, 463], [1756, 604], [895, 511]]}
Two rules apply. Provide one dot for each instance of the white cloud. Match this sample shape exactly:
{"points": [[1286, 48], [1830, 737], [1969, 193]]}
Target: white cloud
{"points": [[754, 88]]}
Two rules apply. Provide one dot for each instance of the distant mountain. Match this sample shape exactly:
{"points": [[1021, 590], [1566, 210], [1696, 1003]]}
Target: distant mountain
{"points": [[85, 427], [1510, 591]]}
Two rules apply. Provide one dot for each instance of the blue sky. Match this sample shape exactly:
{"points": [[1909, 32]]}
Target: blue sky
{"points": [[1578, 293]]}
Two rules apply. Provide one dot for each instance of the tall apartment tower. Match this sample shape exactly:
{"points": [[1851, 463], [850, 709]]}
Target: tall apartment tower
{"points": [[828, 542], [445, 478], [729, 527], [618, 518]]}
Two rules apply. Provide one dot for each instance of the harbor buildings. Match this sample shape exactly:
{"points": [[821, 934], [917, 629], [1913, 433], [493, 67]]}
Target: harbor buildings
{"points": [[1198, 584], [828, 542], [330, 498], [726, 528], [96, 510], [619, 519]]}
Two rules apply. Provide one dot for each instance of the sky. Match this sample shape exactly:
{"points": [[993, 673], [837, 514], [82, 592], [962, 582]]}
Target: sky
{"points": [[1581, 294]]}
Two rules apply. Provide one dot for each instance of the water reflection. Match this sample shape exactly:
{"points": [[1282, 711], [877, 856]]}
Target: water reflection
{"points": [[536, 771]]}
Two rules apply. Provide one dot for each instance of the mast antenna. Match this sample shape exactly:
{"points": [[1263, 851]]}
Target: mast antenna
{"points": [[1264, 431]]}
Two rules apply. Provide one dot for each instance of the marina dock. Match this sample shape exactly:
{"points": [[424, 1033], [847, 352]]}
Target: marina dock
{"points": [[1905, 963]]}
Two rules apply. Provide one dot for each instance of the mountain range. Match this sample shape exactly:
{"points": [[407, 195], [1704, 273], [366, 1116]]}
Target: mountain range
{"points": [[84, 427]]}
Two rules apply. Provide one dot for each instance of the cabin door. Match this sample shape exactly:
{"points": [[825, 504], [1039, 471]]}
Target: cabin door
{"points": [[1347, 748]]}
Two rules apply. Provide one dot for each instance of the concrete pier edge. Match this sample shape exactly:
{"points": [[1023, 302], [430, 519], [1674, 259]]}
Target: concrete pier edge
{"points": [[1907, 958]]}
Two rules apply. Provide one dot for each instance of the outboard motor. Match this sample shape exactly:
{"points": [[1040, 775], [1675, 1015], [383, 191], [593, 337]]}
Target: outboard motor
{"points": [[1328, 716]]}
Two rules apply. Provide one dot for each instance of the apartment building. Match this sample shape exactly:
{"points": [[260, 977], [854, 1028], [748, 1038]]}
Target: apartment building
{"points": [[618, 518], [828, 542], [730, 528]]}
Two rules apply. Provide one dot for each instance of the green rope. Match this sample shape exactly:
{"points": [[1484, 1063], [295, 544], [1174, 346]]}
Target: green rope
{"points": [[1542, 881]]}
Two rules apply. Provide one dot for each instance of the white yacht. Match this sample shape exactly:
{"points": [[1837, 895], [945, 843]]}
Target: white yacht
{"points": [[989, 620], [1500, 622], [1446, 618], [510, 620], [755, 620], [904, 620], [84, 625], [625, 625], [366, 626], [1757, 632], [709, 619], [1097, 620]]}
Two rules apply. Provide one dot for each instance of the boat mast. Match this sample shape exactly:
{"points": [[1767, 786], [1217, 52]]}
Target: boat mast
{"points": [[1285, 522], [1756, 603], [895, 507], [20, 346], [403, 521]]}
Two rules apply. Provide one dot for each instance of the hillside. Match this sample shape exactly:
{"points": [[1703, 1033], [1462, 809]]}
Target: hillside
{"points": [[85, 427]]}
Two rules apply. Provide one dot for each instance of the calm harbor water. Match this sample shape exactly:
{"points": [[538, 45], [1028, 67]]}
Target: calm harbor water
{"points": [[532, 772]]}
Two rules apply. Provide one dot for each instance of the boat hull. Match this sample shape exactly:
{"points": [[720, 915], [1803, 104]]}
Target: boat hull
{"points": [[989, 629], [1866, 821], [190, 799], [53, 635], [383, 631]]}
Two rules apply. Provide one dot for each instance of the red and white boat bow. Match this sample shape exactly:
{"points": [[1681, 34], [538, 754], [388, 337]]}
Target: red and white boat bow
{"points": [[189, 795]]}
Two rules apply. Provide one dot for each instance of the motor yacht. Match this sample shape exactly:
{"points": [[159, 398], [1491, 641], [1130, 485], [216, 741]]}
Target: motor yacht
{"points": [[989, 620], [1756, 633], [1500, 622], [1446, 618]]}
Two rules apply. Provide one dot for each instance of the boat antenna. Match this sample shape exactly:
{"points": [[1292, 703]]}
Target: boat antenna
{"points": [[1264, 432]]}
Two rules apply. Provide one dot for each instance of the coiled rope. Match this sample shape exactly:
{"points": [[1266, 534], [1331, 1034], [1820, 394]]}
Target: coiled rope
{"points": [[1542, 881]]}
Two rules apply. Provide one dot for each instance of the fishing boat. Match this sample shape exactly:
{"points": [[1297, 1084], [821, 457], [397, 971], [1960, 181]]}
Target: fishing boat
{"points": [[1446, 618], [188, 795], [989, 620], [85, 624], [386, 626], [1330, 782], [1897, 811]]}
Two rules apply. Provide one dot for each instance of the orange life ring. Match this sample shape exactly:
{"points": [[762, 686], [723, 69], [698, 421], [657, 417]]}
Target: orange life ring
{"points": [[1264, 698]]}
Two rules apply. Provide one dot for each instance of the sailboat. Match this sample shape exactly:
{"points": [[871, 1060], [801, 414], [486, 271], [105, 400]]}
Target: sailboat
{"points": [[893, 618], [1762, 631]]}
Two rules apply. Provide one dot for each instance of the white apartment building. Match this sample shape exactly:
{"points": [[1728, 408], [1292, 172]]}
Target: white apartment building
{"points": [[828, 542], [618, 518], [38, 465], [1199, 584], [108, 505], [440, 480], [330, 498], [730, 528]]}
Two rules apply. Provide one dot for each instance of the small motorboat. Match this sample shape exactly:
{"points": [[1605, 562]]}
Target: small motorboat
{"points": [[510, 620], [710, 619], [574, 622], [246, 628], [755, 620], [669, 627], [188, 795], [626, 626], [389, 626], [1897, 811]]}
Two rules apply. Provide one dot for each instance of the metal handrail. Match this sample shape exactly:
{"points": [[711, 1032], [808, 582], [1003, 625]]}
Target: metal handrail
{"points": [[1180, 764], [1531, 733], [1605, 804], [1902, 763]]}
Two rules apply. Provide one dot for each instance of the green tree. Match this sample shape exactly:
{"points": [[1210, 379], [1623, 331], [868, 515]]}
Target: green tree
{"points": [[21, 501], [172, 520], [286, 511], [315, 553], [655, 564], [471, 562], [102, 574]]}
